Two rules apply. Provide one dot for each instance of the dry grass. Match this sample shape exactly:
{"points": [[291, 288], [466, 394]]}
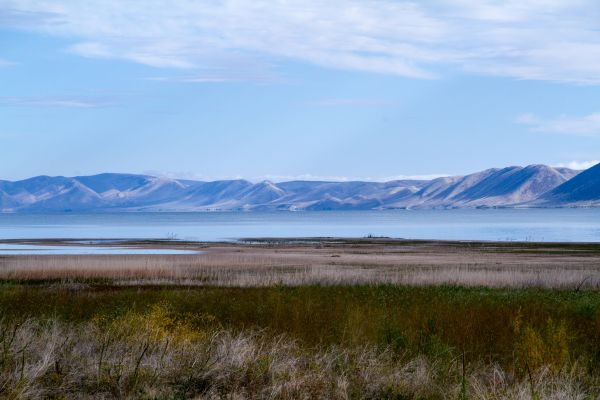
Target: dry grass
{"points": [[296, 265], [292, 321], [154, 356]]}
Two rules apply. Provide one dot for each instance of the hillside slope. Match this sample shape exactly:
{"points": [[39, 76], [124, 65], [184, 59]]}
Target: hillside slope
{"points": [[583, 191], [505, 187]]}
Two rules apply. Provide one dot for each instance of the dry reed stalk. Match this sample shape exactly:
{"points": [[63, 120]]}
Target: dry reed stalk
{"points": [[150, 358], [248, 266]]}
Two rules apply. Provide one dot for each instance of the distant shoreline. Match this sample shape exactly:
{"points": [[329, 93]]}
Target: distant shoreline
{"points": [[288, 241]]}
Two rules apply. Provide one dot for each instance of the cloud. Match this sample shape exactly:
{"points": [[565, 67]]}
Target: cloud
{"points": [[333, 178], [587, 125], [5, 63], [578, 165], [236, 73], [351, 102], [551, 40], [53, 101], [195, 79], [286, 178], [17, 18]]}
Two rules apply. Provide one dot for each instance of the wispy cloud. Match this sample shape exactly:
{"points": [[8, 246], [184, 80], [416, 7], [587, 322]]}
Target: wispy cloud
{"points": [[7, 135], [351, 102], [55, 101], [5, 63], [237, 73], [555, 40], [196, 79], [339, 178], [578, 165], [14, 16], [587, 125], [286, 178]]}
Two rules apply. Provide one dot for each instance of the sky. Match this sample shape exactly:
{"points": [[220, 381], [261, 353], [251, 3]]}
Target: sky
{"points": [[281, 90]]}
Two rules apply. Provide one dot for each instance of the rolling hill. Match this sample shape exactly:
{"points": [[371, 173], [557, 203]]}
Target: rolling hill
{"points": [[581, 191], [531, 186]]}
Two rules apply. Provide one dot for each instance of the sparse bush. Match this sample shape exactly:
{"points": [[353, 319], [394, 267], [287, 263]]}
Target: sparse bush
{"points": [[153, 355], [291, 324]]}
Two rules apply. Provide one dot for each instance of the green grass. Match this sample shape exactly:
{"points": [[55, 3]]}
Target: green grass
{"points": [[493, 324], [103, 341]]}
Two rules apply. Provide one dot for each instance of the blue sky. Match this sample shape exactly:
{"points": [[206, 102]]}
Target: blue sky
{"points": [[370, 89]]}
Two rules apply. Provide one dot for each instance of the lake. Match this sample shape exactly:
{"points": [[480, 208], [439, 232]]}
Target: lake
{"points": [[571, 225], [34, 249]]}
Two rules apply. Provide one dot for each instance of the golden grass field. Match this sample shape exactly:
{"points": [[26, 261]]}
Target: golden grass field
{"points": [[329, 262]]}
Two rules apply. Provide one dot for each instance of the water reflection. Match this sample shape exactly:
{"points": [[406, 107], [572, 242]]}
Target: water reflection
{"points": [[30, 249]]}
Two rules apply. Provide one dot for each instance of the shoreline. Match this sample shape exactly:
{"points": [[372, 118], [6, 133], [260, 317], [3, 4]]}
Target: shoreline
{"points": [[282, 240], [261, 262]]}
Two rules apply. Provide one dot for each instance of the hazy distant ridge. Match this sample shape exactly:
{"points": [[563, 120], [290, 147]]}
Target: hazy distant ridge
{"points": [[534, 185]]}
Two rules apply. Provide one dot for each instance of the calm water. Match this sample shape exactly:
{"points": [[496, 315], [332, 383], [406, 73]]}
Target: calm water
{"points": [[530, 225], [21, 249]]}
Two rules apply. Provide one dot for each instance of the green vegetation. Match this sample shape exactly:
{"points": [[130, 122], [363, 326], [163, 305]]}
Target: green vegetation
{"points": [[498, 324], [290, 342], [363, 319]]}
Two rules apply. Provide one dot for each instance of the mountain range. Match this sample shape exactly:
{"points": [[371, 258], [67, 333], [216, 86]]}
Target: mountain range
{"points": [[531, 186]]}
